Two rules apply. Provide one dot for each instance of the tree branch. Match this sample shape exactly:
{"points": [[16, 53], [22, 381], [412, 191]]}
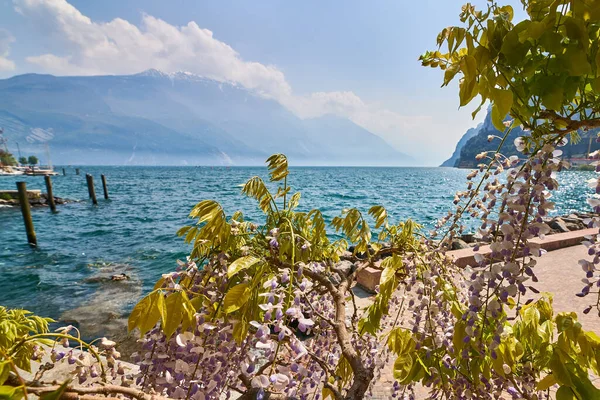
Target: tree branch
{"points": [[571, 124], [73, 392]]}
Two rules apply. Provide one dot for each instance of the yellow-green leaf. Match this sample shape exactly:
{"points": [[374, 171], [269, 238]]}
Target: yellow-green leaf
{"points": [[57, 394], [545, 383], [11, 392], [565, 393], [553, 99], [240, 264], [536, 29], [146, 314], [467, 90], [236, 297], [503, 100], [278, 167], [402, 367], [468, 66], [576, 62], [4, 371], [174, 312], [400, 341]]}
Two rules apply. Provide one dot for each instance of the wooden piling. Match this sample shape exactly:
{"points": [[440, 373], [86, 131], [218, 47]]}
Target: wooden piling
{"points": [[49, 193], [26, 211], [104, 186], [91, 190], [87, 179], [76, 171]]}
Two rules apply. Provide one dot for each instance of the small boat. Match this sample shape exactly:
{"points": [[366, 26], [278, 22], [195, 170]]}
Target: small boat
{"points": [[40, 171], [10, 171]]}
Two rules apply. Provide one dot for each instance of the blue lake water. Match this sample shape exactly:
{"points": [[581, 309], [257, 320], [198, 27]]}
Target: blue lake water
{"points": [[148, 204]]}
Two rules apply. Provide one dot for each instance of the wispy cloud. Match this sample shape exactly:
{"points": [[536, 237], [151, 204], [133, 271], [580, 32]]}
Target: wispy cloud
{"points": [[120, 47], [5, 41]]}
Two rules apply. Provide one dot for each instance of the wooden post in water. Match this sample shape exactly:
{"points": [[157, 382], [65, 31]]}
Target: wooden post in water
{"points": [[104, 186], [76, 171], [91, 190], [26, 211], [49, 193], [87, 179], [64, 172]]}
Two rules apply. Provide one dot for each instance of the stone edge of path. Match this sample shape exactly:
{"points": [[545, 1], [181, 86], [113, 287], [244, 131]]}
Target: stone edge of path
{"points": [[369, 277]]}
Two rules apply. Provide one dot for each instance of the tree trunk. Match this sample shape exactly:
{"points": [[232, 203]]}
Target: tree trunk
{"points": [[360, 385]]}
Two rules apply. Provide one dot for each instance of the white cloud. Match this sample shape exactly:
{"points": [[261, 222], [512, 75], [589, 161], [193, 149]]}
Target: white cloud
{"points": [[120, 47], [5, 41]]}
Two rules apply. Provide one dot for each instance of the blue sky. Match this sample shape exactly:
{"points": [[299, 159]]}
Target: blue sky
{"points": [[352, 58]]}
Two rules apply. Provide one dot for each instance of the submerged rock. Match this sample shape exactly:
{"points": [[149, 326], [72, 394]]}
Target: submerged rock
{"points": [[558, 224], [458, 244], [105, 313]]}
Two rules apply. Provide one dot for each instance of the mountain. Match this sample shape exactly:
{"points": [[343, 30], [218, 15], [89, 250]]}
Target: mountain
{"points": [[479, 143], [154, 118], [461, 143]]}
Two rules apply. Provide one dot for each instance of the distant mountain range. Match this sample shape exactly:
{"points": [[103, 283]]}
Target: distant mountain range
{"points": [[153, 118], [475, 141], [459, 146]]}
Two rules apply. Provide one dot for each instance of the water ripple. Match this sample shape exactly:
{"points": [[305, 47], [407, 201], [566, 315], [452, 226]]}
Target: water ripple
{"points": [[148, 204]]}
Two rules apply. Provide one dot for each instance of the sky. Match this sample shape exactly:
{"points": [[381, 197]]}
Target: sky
{"points": [[357, 59]]}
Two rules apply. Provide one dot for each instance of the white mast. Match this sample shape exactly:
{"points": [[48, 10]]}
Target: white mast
{"points": [[48, 155]]}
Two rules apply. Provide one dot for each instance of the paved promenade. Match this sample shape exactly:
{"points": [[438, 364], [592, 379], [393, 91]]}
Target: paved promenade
{"points": [[559, 273]]}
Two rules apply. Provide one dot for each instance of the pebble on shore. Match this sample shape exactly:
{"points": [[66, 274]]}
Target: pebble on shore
{"points": [[559, 224]]}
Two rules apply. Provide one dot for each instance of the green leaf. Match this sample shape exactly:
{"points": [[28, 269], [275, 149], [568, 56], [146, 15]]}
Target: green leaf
{"points": [[240, 264], [56, 395], [4, 371], [379, 214], [545, 383], [565, 393], [240, 330], [146, 314], [536, 29], [402, 367], [255, 187], [236, 297], [467, 90], [174, 314], [400, 341], [596, 83], [576, 30], [11, 392], [503, 100], [390, 266], [508, 12], [278, 167], [512, 48], [553, 98], [576, 62], [468, 66], [327, 393], [294, 201], [450, 73]]}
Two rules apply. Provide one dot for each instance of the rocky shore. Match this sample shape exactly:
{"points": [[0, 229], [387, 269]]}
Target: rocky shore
{"points": [[560, 224], [40, 200]]}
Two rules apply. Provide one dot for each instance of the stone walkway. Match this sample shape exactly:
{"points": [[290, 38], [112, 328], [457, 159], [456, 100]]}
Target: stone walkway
{"points": [[558, 272]]}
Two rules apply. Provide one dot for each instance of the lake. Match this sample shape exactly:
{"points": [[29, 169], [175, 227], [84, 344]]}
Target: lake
{"points": [[134, 232]]}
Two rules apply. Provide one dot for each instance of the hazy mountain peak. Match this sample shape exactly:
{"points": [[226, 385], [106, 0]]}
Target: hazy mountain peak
{"points": [[153, 73], [175, 118]]}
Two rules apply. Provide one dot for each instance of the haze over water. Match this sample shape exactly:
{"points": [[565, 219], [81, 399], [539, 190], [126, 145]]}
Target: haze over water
{"points": [[136, 229]]}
